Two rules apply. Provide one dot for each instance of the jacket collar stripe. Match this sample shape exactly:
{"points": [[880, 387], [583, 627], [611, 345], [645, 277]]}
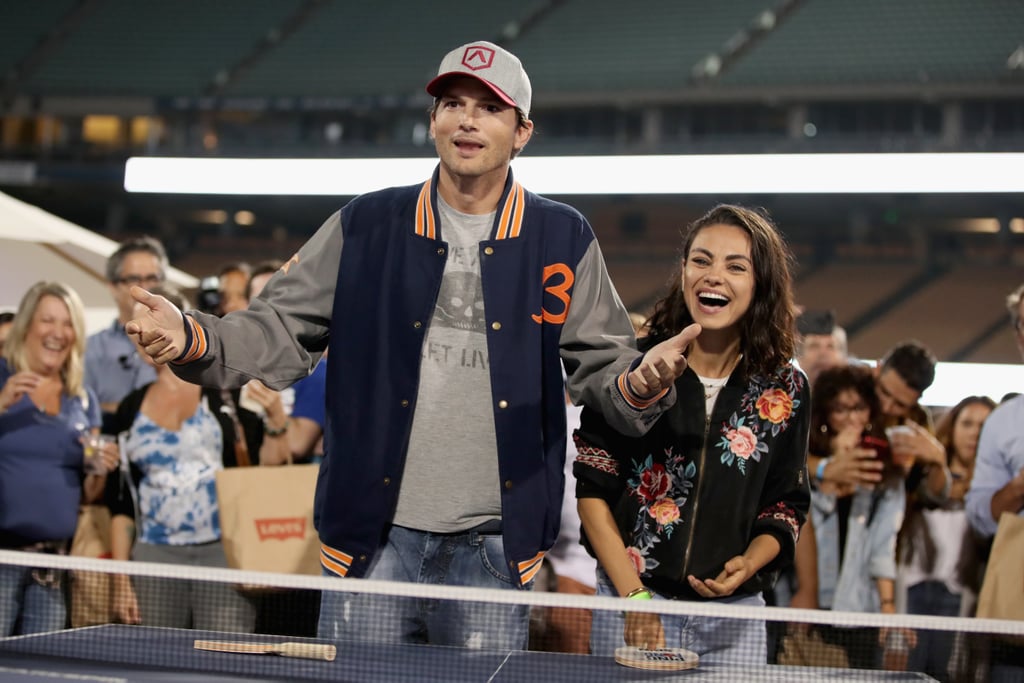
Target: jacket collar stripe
{"points": [[517, 216], [509, 221], [425, 226]]}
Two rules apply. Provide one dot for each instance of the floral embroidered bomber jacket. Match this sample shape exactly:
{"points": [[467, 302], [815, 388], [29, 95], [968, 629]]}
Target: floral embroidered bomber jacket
{"points": [[695, 490]]}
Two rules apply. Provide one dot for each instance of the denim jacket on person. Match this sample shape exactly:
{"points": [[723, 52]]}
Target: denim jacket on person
{"points": [[870, 550], [695, 490], [367, 283]]}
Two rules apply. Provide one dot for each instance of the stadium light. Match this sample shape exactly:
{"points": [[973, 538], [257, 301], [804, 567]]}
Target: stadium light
{"points": [[955, 381], [720, 174], [604, 175]]}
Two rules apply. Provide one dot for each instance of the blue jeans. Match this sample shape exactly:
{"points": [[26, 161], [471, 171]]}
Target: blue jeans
{"points": [[931, 655], [463, 559], [718, 640], [40, 607]]}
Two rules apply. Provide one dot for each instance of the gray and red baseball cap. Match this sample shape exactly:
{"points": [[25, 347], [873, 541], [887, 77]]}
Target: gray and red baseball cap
{"points": [[492, 65]]}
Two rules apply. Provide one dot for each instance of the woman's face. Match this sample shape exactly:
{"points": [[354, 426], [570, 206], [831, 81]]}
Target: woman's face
{"points": [[718, 277], [50, 336], [967, 429], [848, 411]]}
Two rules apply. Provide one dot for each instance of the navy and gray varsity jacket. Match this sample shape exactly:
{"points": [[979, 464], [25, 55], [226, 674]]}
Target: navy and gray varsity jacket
{"points": [[367, 282]]}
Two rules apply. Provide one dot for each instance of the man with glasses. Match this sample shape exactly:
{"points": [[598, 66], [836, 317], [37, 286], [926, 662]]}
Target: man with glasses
{"points": [[112, 366], [821, 343]]}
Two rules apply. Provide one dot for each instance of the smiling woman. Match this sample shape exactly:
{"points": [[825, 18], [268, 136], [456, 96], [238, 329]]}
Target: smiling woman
{"points": [[709, 503], [45, 409]]}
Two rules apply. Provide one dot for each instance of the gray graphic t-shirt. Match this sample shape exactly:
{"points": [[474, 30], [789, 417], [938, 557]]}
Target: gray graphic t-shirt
{"points": [[451, 478]]}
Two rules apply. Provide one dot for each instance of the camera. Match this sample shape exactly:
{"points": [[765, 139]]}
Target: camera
{"points": [[208, 298]]}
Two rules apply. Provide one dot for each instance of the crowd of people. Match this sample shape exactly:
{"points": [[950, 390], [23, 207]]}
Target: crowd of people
{"points": [[728, 449]]}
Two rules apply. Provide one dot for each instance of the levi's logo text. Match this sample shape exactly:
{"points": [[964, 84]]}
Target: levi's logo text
{"points": [[281, 528], [558, 280], [477, 57]]}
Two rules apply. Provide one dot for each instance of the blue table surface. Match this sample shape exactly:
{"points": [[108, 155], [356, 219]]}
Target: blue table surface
{"points": [[115, 653]]}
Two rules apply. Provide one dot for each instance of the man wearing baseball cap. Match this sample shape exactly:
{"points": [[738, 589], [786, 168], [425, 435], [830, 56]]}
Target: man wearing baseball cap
{"points": [[450, 307]]}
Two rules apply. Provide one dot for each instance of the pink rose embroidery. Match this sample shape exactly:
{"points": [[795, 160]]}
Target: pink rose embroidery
{"points": [[665, 511], [637, 559], [775, 405], [742, 442], [654, 482]]}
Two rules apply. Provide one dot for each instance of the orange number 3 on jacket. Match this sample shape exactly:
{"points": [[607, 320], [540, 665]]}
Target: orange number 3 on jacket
{"points": [[560, 291]]}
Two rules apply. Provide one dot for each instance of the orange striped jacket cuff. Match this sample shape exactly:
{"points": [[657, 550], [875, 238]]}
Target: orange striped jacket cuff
{"points": [[195, 341], [630, 397]]}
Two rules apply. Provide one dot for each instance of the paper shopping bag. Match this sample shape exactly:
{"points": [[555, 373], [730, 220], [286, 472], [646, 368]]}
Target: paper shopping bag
{"points": [[1002, 591], [805, 647], [91, 592], [266, 518]]}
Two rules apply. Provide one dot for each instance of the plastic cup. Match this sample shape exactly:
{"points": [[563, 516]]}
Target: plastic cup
{"points": [[92, 447]]}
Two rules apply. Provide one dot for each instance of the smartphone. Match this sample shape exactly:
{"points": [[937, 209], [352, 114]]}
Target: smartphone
{"points": [[881, 446]]}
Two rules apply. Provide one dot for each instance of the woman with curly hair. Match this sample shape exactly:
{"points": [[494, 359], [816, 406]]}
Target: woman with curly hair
{"points": [[855, 524], [708, 504]]}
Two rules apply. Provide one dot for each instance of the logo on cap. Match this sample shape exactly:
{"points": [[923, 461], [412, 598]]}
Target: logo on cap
{"points": [[477, 57]]}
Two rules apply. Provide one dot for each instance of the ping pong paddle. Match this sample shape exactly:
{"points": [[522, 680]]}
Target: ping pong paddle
{"points": [[326, 653], [664, 659]]}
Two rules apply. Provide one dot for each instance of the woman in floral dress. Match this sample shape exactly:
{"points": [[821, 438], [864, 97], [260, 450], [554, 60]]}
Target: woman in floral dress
{"points": [[709, 503]]}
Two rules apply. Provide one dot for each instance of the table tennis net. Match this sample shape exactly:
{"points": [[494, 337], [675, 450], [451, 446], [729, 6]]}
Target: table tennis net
{"points": [[389, 631]]}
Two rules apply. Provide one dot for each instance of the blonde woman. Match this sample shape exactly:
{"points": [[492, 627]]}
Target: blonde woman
{"points": [[45, 410]]}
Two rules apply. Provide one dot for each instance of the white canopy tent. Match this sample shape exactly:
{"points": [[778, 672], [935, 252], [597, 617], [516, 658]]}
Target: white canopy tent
{"points": [[36, 245]]}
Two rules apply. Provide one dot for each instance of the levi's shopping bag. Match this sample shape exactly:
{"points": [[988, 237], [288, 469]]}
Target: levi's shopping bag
{"points": [[266, 518]]}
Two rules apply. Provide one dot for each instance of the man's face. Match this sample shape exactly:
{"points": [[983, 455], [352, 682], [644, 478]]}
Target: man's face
{"points": [[139, 268], [895, 396], [233, 286], [820, 352], [474, 132]]}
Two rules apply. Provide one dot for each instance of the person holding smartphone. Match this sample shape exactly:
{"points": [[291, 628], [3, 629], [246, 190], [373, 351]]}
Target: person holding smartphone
{"points": [[856, 523]]}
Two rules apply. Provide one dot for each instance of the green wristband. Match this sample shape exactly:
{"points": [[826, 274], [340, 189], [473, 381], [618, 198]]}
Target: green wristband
{"points": [[640, 594]]}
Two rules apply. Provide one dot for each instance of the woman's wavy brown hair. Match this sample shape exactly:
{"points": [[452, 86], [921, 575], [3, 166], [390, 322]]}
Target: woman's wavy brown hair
{"points": [[766, 331], [944, 427]]}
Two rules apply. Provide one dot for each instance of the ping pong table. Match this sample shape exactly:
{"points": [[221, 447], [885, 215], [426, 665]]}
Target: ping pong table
{"points": [[139, 654]]}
